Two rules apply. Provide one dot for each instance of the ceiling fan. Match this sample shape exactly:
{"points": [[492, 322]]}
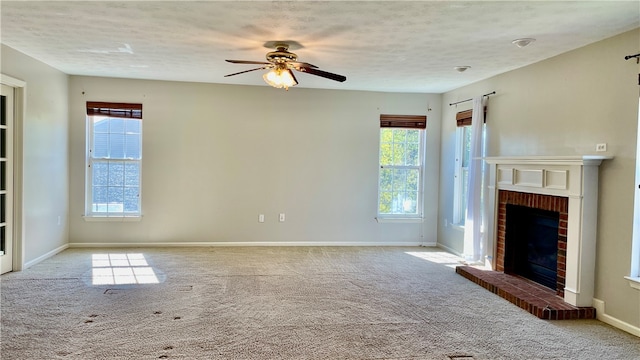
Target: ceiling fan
{"points": [[280, 63]]}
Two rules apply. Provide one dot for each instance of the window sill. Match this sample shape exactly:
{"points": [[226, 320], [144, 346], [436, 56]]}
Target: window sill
{"points": [[634, 282], [112, 218], [399, 220]]}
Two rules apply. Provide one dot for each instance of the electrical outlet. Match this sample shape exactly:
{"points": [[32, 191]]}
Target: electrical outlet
{"points": [[281, 217], [261, 218], [601, 147]]}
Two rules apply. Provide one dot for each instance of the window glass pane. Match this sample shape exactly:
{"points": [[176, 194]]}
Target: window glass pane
{"points": [[413, 136], [399, 179], [132, 146], [398, 153], [466, 146], [132, 174], [100, 173], [385, 203], [101, 145], [412, 179], [116, 199], [386, 179], [100, 124], [413, 155], [99, 195], [116, 126], [386, 153], [116, 173], [132, 126], [131, 199], [410, 203], [386, 135], [116, 146], [399, 135]]}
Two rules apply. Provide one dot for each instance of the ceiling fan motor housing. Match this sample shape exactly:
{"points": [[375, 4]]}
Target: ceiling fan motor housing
{"points": [[281, 55]]}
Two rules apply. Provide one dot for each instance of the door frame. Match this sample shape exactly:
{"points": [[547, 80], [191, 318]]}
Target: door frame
{"points": [[19, 96]]}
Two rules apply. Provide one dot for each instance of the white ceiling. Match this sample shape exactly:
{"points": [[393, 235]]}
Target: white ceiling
{"points": [[399, 46]]}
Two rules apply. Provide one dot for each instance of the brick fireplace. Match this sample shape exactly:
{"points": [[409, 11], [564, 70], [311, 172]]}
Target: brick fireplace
{"points": [[568, 185], [551, 203]]}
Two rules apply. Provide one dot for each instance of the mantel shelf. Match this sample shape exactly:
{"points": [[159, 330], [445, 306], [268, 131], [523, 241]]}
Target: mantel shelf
{"points": [[548, 160]]}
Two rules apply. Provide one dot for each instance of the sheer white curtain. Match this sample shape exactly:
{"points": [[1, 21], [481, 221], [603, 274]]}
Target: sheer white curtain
{"points": [[474, 218]]}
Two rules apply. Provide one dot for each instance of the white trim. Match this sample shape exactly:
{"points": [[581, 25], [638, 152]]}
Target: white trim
{"points": [[11, 81], [19, 110], [634, 282], [448, 249], [384, 219], [605, 318], [45, 256], [97, 218], [243, 243]]}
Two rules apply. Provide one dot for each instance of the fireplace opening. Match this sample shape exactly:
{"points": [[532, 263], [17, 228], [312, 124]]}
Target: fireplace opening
{"points": [[531, 244]]}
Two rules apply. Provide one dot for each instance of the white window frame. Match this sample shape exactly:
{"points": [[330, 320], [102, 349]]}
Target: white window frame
{"points": [[418, 217], [90, 214], [459, 198]]}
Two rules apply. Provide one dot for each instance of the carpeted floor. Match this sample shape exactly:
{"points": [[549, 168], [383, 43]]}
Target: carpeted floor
{"points": [[277, 303]]}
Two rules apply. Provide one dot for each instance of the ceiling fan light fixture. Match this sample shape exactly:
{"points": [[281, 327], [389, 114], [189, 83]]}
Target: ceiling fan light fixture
{"points": [[280, 78], [523, 42]]}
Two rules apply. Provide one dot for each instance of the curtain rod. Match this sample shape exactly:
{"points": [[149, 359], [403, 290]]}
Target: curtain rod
{"points": [[632, 56], [461, 101]]}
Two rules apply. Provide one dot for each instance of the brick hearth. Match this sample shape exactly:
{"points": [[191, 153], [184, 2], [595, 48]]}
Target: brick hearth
{"points": [[526, 294]]}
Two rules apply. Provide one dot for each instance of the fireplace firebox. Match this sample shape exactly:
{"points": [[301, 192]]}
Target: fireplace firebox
{"points": [[531, 244]]}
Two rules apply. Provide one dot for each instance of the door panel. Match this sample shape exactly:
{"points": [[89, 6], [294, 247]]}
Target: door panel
{"points": [[6, 179]]}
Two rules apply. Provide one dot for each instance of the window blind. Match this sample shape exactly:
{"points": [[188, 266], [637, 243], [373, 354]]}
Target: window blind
{"points": [[119, 110], [403, 121], [463, 118]]}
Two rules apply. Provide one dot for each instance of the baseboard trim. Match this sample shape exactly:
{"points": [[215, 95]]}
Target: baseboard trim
{"points": [[41, 258], [605, 318], [448, 249], [241, 243]]}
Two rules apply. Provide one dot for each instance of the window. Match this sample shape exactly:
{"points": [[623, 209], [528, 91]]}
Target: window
{"points": [[463, 154], [401, 166], [114, 159], [461, 177]]}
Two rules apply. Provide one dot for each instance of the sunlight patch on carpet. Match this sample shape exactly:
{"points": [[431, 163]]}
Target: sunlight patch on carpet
{"points": [[121, 269], [439, 257]]}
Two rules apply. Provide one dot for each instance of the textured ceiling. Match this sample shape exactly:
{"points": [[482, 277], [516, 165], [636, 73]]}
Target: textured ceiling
{"points": [[407, 46]]}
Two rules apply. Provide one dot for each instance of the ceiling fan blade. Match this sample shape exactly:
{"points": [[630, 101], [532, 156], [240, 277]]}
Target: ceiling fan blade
{"points": [[297, 64], [246, 71], [293, 76], [247, 62], [324, 74]]}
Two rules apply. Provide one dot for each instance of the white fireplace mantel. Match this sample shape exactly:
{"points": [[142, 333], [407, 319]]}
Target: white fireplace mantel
{"points": [[574, 177]]}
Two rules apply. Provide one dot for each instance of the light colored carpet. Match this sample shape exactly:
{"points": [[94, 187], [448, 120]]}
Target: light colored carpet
{"points": [[280, 303]]}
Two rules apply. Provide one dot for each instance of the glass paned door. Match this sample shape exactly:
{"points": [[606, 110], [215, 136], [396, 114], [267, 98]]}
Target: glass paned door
{"points": [[6, 179]]}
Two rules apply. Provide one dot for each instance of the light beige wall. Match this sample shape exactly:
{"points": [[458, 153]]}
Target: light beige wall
{"points": [[46, 153], [565, 106], [216, 156]]}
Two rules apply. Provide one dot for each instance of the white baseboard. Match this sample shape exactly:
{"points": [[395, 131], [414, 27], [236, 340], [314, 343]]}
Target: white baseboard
{"points": [[448, 249], [605, 318], [242, 243], [41, 258]]}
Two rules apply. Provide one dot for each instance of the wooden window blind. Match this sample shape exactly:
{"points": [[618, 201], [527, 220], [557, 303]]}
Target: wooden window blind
{"points": [[118, 110], [463, 118], [403, 121]]}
